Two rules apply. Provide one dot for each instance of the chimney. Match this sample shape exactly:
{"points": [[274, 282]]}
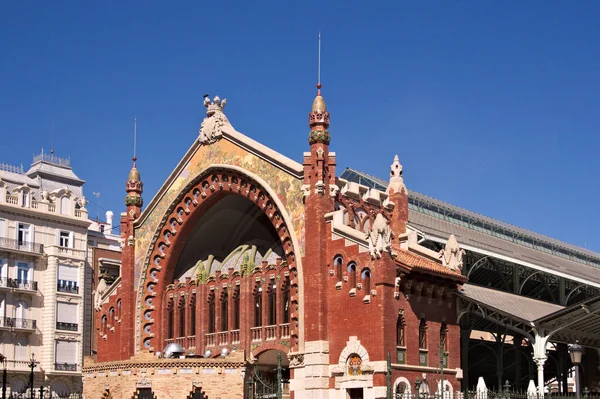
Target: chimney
{"points": [[109, 222]]}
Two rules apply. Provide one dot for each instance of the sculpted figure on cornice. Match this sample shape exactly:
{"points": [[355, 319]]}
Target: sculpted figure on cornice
{"points": [[380, 237], [452, 254], [215, 122]]}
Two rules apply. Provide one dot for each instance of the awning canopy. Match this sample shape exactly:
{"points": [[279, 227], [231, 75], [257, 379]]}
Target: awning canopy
{"points": [[530, 317]]}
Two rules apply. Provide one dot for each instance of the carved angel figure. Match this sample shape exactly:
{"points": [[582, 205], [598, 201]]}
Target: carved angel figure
{"points": [[452, 254], [379, 237]]}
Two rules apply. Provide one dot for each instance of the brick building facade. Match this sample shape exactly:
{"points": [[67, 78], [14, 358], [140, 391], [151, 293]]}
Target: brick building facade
{"points": [[244, 255]]}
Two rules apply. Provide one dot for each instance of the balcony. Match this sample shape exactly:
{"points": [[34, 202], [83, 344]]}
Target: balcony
{"points": [[17, 284], [210, 339], [21, 365], [67, 286], [222, 338], [270, 332], [18, 323], [66, 326], [284, 330], [235, 336], [256, 333], [21, 246], [65, 366]]}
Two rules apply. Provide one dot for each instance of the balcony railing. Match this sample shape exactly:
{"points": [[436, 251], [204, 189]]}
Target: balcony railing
{"points": [[27, 285], [67, 286], [210, 339], [191, 342], [235, 336], [256, 333], [11, 243], [270, 332], [21, 365], [12, 322], [222, 338], [284, 330], [60, 325], [65, 366]]}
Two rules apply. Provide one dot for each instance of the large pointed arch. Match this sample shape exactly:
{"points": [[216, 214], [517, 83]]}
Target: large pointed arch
{"points": [[169, 239]]}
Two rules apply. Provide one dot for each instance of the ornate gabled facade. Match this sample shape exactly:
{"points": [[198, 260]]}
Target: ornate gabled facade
{"points": [[247, 259]]}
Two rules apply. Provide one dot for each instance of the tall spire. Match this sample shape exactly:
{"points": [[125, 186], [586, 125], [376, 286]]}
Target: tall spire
{"points": [[318, 118], [134, 185]]}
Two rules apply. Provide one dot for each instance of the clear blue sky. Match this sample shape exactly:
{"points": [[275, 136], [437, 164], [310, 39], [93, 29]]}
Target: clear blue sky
{"points": [[491, 105]]}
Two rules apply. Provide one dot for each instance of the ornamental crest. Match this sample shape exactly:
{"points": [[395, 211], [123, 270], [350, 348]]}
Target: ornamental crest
{"points": [[215, 123], [354, 365], [380, 237], [452, 255]]}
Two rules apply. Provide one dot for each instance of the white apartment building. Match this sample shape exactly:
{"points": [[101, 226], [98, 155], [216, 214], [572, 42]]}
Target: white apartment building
{"points": [[43, 248]]}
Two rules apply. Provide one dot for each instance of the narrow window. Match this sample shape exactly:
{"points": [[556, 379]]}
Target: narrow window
{"points": [[366, 279], [352, 275], [104, 323], [64, 239], [423, 334], [258, 307], [236, 310], [444, 343], [338, 262], [273, 304], [225, 311], [193, 315], [182, 319], [111, 313], [170, 320], [400, 331], [211, 314], [286, 300], [119, 309]]}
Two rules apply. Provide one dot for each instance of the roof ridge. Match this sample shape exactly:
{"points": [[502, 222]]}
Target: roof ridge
{"points": [[488, 219]]}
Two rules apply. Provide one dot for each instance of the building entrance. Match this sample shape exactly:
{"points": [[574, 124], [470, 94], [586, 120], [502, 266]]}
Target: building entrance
{"points": [[355, 393]]}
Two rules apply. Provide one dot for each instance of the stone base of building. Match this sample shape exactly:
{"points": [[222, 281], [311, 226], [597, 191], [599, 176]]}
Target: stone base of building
{"points": [[166, 378]]}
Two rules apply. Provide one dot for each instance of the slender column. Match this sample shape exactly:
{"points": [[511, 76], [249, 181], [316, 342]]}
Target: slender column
{"points": [[540, 357], [516, 279], [518, 342], [465, 336], [278, 302]]}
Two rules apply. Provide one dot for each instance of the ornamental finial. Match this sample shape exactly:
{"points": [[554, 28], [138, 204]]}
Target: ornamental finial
{"points": [[214, 106]]}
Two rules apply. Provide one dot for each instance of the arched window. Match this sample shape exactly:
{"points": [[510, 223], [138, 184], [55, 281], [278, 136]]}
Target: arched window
{"points": [[352, 275], [272, 303], [258, 306], [400, 332], [366, 279], [170, 319], [402, 390], [182, 318], [103, 327], [225, 310], [111, 314], [236, 309], [119, 309], [423, 334], [193, 315], [444, 342], [285, 303], [338, 262], [211, 314]]}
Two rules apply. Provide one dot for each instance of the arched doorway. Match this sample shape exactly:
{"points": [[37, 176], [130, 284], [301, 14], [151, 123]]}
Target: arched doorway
{"points": [[269, 373]]}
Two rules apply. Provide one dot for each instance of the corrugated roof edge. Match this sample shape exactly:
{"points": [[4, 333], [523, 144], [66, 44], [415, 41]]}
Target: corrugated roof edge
{"points": [[483, 218]]}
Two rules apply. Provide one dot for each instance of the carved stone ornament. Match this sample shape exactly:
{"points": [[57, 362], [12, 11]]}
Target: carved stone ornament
{"points": [[143, 382], [380, 237], [396, 181], [100, 291], [452, 255], [320, 187], [215, 123], [296, 359]]}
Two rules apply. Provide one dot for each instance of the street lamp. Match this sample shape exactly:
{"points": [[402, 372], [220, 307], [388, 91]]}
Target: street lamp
{"points": [[32, 366], [575, 352], [417, 387]]}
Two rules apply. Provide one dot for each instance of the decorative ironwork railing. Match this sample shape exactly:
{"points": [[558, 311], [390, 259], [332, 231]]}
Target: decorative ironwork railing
{"points": [[11, 243], [52, 158], [12, 168], [60, 325], [28, 285], [14, 322], [67, 286], [65, 366]]}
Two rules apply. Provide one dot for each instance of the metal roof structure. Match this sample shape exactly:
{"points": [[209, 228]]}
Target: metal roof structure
{"points": [[440, 219]]}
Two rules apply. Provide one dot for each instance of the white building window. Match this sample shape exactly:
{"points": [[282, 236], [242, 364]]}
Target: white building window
{"points": [[65, 205], [3, 272], [22, 315], [66, 316], [68, 279], [2, 224], [21, 348], [66, 356], [24, 274], [24, 234], [25, 198], [65, 239], [2, 310]]}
